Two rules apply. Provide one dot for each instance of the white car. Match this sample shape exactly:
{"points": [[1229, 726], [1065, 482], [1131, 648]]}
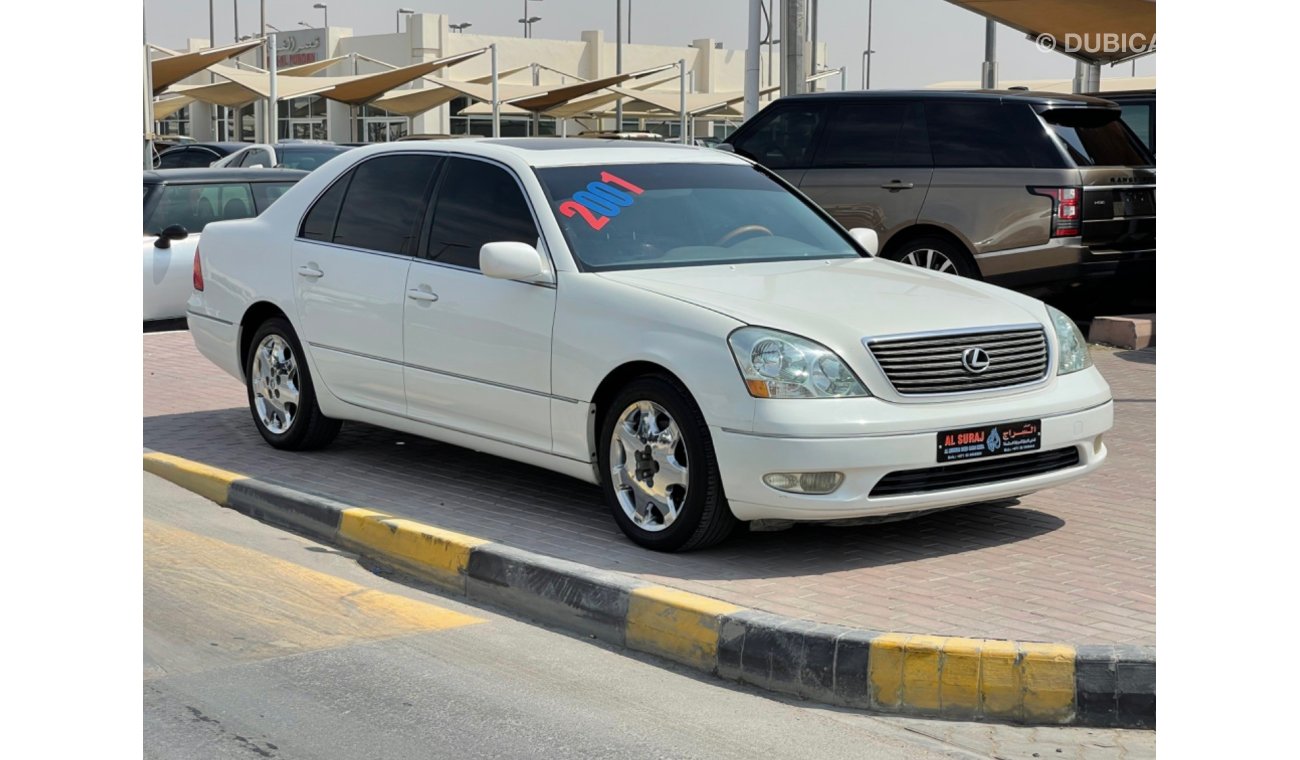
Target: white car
{"points": [[673, 323], [306, 155], [178, 204]]}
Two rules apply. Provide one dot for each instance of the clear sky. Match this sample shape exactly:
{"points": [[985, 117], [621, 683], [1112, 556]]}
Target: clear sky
{"points": [[917, 42]]}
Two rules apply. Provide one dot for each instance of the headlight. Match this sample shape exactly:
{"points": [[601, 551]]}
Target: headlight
{"points": [[780, 365], [1074, 349]]}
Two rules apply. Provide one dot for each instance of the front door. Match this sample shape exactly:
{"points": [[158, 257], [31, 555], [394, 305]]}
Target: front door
{"points": [[872, 167], [349, 273], [478, 349]]}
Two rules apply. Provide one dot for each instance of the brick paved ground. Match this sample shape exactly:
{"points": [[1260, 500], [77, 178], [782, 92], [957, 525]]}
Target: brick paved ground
{"points": [[1074, 564]]}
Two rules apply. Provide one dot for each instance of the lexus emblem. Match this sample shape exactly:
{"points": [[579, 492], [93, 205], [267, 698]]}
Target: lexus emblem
{"points": [[975, 360]]}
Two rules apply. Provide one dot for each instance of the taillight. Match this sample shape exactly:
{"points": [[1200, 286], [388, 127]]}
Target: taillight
{"points": [[198, 270], [1065, 208]]}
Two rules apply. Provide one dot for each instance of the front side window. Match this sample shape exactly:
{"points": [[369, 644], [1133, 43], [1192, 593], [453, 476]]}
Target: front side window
{"points": [[875, 134], [385, 203], [195, 206], [307, 157], [784, 140], [628, 216], [477, 203], [186, 158]]}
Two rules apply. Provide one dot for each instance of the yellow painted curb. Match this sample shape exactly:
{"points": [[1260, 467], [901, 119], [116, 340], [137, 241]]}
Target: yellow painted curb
{"points": [[441, 554], [956, 677], [206, 481], [676, 624]]}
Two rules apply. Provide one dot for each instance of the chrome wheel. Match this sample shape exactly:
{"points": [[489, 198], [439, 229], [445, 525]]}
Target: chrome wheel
{"points": [[929, 258], [648, 466], [274, 377]]}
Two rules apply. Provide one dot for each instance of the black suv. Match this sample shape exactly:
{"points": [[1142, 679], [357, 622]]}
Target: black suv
{"points": [[1020, 188]]}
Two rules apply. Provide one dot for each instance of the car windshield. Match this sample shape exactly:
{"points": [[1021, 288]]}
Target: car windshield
{"points": [[628, 216], [307, 157]]}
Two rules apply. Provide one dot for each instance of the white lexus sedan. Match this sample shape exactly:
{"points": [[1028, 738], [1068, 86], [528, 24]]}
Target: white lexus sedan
{"points": [[675, 324]]}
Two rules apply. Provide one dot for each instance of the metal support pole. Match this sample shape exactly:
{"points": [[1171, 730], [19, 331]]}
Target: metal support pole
{"points": [[352, 108], [812, 29], [866, 73], [618, 63], [771, 22], [794, 30], [148, 97], [496, 101], [272, 102], [989, 72], [235, 3], [537, 115], [843, 76], [682, 65], [751, 58], [1087, 77]]}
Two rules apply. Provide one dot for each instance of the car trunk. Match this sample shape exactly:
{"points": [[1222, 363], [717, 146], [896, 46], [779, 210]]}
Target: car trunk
{"points": [[1118, 176]]}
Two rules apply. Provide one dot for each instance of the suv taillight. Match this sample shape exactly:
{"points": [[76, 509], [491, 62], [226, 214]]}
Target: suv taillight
{"points": [[1065, 208], [198, 270]]}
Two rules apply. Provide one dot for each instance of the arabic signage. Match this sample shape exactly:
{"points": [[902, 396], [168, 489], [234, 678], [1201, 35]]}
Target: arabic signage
{"points": [[990, 441], [297, 48]]}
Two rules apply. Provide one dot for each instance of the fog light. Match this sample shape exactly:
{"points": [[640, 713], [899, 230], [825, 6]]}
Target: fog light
{"points": [[804, 482], [1096, 445]]}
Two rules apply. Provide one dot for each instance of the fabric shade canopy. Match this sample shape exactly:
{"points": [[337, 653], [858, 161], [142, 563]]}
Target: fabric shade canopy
{"points": [[177, 66], [307, 69], [541, 98], [1132, 21], [168, 106], [413, 102]]}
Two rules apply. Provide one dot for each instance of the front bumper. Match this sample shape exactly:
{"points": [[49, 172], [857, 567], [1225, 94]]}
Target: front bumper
{"points": [[745, 457]]}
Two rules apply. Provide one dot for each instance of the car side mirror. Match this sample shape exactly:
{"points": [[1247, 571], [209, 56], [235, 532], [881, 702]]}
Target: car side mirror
{"points": [[512, 261], [724, 147], [174, 232], [255, 166], [867, 238]]}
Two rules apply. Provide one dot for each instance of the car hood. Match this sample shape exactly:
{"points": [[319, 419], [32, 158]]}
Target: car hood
{"points": [[839, 302]]}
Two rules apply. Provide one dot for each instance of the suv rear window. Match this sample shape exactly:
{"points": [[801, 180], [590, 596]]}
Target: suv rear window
{"points": [[1097, 137]]}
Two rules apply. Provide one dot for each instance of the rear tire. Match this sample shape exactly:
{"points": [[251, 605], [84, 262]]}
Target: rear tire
{"points": [[936, 254], [280, 391], [658, 470]]}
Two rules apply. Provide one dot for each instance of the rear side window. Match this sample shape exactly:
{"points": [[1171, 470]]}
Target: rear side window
{"points": [[477, 203], [1097, 137], [385, 203], [324, 213], [875, 134], [266, 193], [989, 134], [783, 140], [195, 206]]}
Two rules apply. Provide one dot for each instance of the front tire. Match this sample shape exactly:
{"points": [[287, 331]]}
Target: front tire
{"points": [[280, 391], [659, 472]]}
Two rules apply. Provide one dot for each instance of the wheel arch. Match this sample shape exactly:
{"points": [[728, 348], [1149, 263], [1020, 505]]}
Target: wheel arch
{"points": [[609, 387], [254, 316]]}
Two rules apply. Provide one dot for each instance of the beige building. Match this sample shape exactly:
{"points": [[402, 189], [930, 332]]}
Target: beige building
{"points": [[429, 36]]}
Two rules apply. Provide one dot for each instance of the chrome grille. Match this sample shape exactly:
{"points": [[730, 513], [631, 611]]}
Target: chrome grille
{"points": [[919, 365]]}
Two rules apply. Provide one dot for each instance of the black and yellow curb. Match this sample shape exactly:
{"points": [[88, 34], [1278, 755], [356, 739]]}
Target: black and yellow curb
{"points": [[898, 673]]}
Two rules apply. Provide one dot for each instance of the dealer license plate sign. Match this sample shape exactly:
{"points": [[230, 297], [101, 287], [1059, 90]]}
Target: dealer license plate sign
{"points": [[989, 440]]}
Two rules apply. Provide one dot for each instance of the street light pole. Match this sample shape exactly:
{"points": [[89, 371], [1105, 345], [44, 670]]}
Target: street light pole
{"points": [[326, 8], [496, 101], [618, 61], [400, 11], [235, 4], [866, 72]]}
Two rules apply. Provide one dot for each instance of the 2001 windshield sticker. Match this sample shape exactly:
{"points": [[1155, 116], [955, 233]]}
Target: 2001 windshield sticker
{"points": [[602, 200]]}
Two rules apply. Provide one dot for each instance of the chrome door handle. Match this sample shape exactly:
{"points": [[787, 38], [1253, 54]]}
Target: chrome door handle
{"points": [[415, 294], [310, 271], [897, 185]]}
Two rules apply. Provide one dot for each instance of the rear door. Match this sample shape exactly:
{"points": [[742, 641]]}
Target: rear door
{"points": [[350, 260], [783, 137], [478, 349], [872, 166]]}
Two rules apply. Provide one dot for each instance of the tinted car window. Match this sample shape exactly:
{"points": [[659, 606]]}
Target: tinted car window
{"points": [[875, 134], [307, 157], [1138, 117], [1097, 137], [385, 203], [195, 206], [186, 158], [266, 193], [988, 134], [477, 203], [784, 140], [324, 213]]}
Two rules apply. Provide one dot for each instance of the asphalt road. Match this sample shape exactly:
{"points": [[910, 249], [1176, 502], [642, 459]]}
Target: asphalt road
{"points": [[259, 643]]}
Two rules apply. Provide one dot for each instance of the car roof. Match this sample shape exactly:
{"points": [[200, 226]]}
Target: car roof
{"points": [[1024, 96], [206, 174], [542, 152], [312, 147]]}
